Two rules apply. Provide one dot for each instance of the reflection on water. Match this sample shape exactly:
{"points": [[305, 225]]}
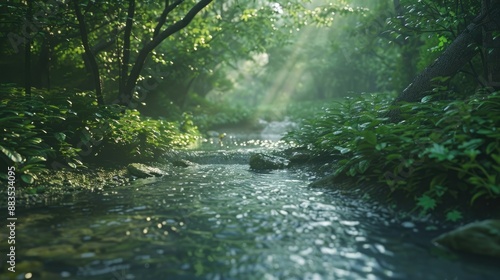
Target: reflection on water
{"points": [[223, 221]]}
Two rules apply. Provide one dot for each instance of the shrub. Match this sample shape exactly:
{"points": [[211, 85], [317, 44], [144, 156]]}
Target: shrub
{"points": [[443, 150], [60, 128]]}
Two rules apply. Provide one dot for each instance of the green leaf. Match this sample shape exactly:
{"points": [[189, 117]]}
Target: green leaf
{"points": [[426, 202], [12, 155], [454, 216], [477, 195], [471, 144], [426, 99], [342, 150], [60, 136], [439, 152], [496, 158], [393, 157], [370, 137], [36, 141], [491, 147], [363, 166], [27, 178], [485, 131], [35, 159], [380, 146]]}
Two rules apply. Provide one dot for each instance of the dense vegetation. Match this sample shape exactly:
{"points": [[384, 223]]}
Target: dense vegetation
{"points": [[56, 129], [441, 151], [445, 151], [125, 81]]}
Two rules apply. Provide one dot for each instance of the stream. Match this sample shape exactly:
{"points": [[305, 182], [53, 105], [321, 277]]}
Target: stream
{"points": [[220, 220]]}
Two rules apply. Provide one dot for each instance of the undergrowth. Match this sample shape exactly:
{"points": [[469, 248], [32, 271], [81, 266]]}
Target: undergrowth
{"points": [[67, 129], [443, 153]]}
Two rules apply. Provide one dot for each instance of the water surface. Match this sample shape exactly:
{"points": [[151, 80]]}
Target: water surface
{"points": [[220, 220]]}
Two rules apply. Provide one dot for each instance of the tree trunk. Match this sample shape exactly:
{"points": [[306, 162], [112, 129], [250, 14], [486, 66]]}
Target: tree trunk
{"points": [[127, 93], [94, 69], [42, 69], [454, 57], [126, 44], [27, 51]]}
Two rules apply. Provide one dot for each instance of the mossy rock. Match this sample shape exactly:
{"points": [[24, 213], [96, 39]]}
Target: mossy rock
{"points": [[143, 171], [480, 238], [267, 162]]}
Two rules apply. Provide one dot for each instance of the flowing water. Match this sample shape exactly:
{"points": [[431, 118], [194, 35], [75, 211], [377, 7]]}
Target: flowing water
{"points": [[220, 220]]}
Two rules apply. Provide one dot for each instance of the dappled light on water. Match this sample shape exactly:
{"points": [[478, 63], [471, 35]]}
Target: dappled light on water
{"points": [[223, 221], [217, 219]]}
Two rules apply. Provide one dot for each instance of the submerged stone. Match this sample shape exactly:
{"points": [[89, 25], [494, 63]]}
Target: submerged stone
{"points": [[267, 162], [326, 181], [481, 238], [143, 171], [182, 163], [300, 157]]}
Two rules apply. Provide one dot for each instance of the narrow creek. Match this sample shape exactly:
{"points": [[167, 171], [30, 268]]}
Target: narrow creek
{"points": [[220, 220]]}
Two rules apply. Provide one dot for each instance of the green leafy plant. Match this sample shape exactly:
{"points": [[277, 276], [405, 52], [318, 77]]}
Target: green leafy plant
{"points": [[444, 151], [66, 129]]}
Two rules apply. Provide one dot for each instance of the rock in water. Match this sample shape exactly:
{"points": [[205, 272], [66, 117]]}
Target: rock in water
{"points": [[182, 163], [143, 171], [481, 238], [267, 162]]}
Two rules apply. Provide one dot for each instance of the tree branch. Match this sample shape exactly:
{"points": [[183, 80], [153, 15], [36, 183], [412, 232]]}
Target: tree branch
{"points": [[126, 95], [163, 18]]}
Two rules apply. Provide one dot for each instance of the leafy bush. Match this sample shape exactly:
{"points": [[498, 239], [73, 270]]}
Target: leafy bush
{"points": [[142, 138], [57, 129], [27, 135], [443, 150]]}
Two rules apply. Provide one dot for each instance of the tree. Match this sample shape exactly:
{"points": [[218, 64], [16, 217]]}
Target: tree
{"points": [[459, 53], [158, 36], [88, 53], [166, 25]]}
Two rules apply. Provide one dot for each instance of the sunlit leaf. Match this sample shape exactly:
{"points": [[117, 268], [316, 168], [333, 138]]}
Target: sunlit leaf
{"points": [[27, 178], [12, 155]]}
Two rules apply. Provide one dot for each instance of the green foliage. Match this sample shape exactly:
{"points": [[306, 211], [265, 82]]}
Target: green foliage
{"points": [[210, 115], [140, 137], [454, 216], [57, 128], [441, 152]]}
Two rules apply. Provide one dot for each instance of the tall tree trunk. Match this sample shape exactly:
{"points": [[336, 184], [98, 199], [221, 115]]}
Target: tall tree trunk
{"points": [[127, 93], [42, 69], [27, 51], [94, 69], [126, 44], [453, 58]]}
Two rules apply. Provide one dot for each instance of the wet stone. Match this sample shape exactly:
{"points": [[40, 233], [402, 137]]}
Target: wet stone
{"points": [[480, 238], [182, 163], [300, 157], [267, 162], [143, 171]]}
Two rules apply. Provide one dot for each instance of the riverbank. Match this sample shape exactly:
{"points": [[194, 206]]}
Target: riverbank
{"points": [[53, 185]]}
